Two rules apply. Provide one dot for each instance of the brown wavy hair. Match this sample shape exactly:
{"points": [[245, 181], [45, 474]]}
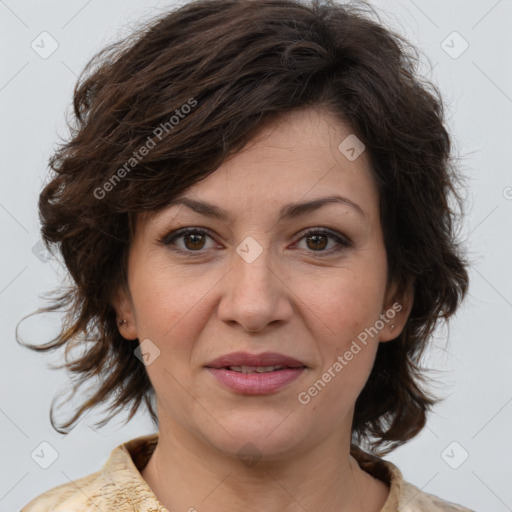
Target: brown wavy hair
{"points": [[236, 65]]}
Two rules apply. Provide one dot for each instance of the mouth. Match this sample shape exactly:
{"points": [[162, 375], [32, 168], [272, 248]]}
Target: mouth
{"points": [[245, 362], [255, 369], [252, 374]]}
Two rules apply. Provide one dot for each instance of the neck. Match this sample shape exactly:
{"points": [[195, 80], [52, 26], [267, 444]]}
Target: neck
{"points": [[186, 474]]}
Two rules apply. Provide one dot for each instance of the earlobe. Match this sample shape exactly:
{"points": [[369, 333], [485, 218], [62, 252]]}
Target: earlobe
{"points": [[396, 313], [125, 317]]}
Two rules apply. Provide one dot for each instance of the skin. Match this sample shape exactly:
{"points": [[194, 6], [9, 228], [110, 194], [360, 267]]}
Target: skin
{"points": [[290, 300]]}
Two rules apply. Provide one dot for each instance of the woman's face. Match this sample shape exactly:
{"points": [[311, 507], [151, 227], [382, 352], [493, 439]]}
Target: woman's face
{"points": [[258, 282]]}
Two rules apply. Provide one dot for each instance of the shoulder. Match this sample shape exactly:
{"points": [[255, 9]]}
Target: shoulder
{"points": [[413, 499], [76, 496], [118, 486], [403, 495]]}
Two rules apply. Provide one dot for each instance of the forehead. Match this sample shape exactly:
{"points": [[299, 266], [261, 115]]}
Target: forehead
{"points": [[299, 157]]}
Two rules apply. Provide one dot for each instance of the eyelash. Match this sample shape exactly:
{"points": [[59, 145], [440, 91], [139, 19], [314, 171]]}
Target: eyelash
{"points": [[169, 239]]}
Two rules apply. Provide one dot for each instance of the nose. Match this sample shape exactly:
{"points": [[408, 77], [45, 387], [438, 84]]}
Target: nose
{"points": [[255, 294]]}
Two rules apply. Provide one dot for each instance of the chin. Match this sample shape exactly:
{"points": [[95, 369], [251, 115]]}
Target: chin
{"points": [[257, 435]]}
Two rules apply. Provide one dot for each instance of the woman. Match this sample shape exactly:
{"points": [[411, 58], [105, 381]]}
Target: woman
{"points": [[254, 208]]}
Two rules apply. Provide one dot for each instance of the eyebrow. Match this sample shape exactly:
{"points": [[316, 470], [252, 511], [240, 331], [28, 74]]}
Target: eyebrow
{"points": [[288, 212]]}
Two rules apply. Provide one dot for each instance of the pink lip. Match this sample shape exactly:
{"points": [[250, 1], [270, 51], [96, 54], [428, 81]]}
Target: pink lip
{"points": [[247, 359], [256, 383]]}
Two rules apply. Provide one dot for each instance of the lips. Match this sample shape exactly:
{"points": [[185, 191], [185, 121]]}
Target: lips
{"points": [[255, 374], [265, 359]]}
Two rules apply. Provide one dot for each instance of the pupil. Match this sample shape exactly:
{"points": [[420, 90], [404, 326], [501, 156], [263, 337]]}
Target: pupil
{"points": [[192, 236], [315, 237], [196, 239]]}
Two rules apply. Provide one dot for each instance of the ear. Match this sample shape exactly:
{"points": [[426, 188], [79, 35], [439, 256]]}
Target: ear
{"points": [[396, 310], [123, 306]]}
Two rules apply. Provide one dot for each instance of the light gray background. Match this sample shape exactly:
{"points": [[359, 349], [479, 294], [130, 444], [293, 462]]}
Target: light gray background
{"points": [[475, 364]]}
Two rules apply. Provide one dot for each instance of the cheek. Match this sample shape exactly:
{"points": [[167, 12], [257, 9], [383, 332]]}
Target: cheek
{"points": [[168, 299], [342, 312], [343, 304], [346, 346], [171, 312]]}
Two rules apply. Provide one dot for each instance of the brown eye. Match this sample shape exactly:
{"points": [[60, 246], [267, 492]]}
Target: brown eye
{"points": [[192, 240], [317, 241], [196, 241]]}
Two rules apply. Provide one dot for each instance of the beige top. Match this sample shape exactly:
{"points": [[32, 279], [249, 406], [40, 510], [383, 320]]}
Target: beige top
{"points": [[120, 487]]}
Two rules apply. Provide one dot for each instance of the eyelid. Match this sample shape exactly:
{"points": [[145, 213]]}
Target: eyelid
{"points": [[169, 238], [343, 242]]}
